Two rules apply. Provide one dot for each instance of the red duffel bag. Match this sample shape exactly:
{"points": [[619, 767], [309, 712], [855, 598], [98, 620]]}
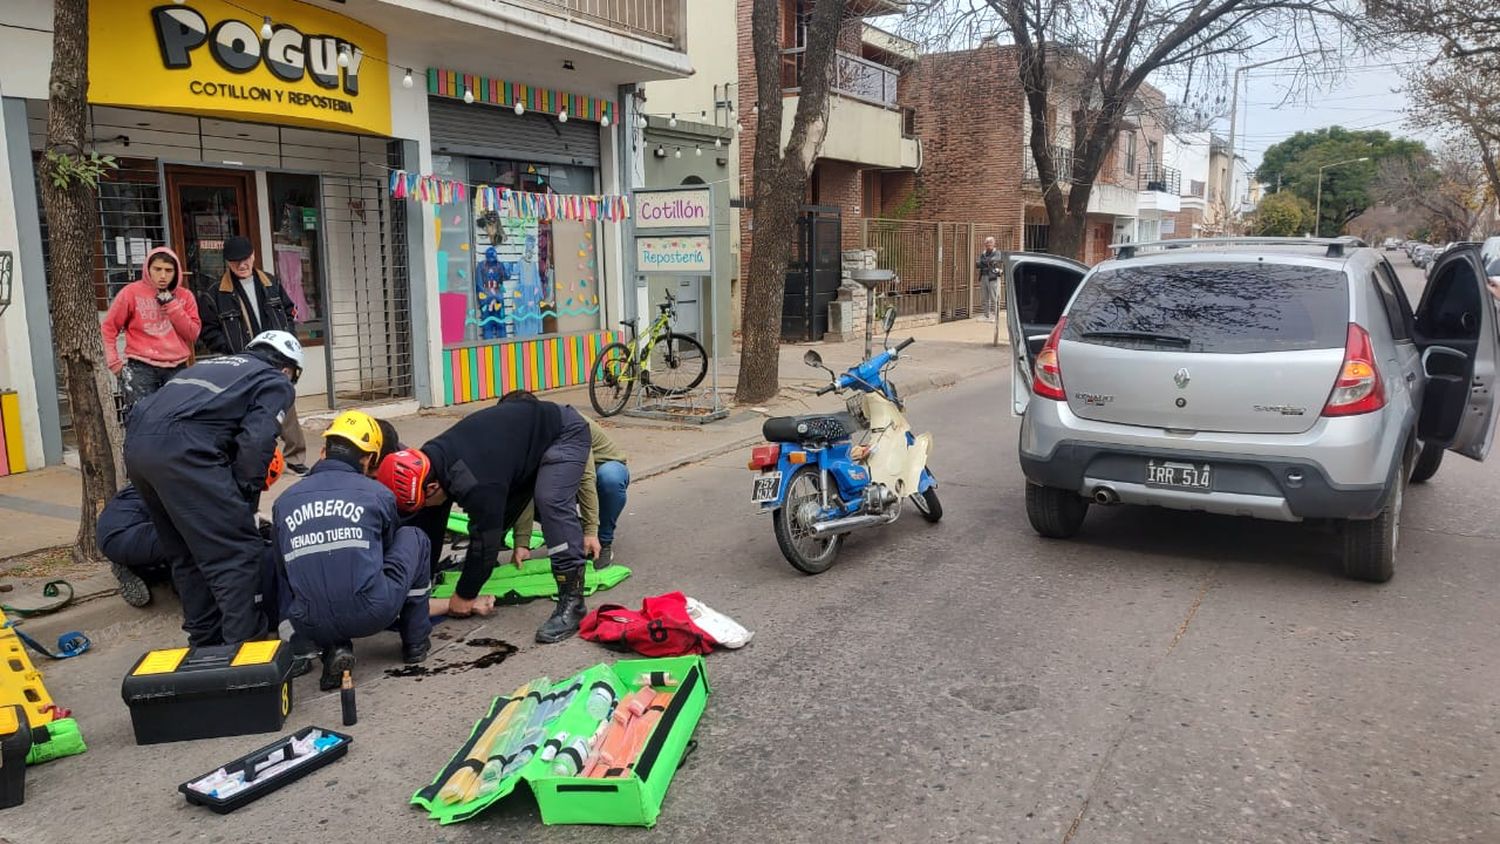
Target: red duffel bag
{"points": [[661, 627]]}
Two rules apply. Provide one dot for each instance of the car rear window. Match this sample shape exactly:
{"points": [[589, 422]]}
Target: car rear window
{"points": [[1233, 308]]}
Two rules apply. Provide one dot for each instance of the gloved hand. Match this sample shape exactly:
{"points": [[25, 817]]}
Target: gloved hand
{"points": [[164, 296]]}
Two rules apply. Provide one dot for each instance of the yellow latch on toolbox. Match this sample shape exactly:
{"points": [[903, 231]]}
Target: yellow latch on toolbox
{"points": [[256, 653], [160, 662]]}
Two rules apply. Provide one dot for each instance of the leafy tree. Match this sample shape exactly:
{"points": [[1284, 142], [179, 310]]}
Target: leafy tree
{"points": [[1346, 188], [1283, 214]]}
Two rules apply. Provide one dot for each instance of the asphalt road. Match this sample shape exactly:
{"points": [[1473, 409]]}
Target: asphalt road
{"points": [[1165, 677]]}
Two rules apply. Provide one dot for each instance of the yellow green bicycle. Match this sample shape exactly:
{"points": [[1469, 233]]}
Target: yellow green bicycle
{"points": [[665, 362]]}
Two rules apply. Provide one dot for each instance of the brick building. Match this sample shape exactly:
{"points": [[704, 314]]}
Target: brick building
{"points": [[866, 161]]}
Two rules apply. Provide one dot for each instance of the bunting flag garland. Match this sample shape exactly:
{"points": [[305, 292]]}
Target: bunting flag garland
{"points": [[583, 208]]}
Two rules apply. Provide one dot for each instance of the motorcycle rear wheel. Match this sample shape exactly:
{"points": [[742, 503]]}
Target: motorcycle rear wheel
{"points": [[807, 553]]}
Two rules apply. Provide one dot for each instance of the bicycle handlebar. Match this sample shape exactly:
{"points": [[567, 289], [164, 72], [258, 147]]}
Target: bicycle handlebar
{"points": [[904, 343]]}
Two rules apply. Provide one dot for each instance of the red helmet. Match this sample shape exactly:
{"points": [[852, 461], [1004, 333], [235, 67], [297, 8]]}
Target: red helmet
{"points": [[273, 471], [405, 473]]}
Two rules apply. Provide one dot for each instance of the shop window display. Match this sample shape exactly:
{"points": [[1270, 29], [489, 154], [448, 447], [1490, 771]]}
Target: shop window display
{"points": [[514, 278], [296, 220]]}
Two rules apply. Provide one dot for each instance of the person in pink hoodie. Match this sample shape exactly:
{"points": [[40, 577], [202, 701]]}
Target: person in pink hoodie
{"points": [[159, 318]]}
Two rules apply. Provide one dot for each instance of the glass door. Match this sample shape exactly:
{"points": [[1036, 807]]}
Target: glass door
{"points": [[207, 208]]}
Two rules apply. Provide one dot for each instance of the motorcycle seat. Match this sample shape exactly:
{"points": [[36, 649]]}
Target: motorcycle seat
{"points": [[820, 427]]}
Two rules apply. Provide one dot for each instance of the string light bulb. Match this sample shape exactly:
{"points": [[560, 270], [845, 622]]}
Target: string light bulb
{"points": [[562, 116], [672, 121], [520, 108], [343, 55], [677, 153], [406, 80], [604, 120], [698, 150], [718, 143], [265, 29], [468, 96]]}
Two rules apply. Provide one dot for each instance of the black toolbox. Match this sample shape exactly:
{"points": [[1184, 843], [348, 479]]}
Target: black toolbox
{"points": [[193, 693], [260, 786]]}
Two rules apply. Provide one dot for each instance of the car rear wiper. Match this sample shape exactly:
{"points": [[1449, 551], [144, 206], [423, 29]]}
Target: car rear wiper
{"points": [[1144, 336]]}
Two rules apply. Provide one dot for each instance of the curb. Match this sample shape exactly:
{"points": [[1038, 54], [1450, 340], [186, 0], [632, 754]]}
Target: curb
{"points": [[933, 382]]}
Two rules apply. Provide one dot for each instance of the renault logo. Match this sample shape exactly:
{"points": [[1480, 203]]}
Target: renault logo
{"points": [[1182, 378]]}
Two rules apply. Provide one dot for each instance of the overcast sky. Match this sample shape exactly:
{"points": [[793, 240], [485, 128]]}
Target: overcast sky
{"points": [[1368, 98]]}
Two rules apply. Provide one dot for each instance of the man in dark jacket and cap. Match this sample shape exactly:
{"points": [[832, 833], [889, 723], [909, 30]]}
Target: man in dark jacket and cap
{"points": [[246, 302]]}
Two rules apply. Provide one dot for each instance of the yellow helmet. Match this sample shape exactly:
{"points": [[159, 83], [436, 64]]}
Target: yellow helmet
{"points": [[361, 429]]}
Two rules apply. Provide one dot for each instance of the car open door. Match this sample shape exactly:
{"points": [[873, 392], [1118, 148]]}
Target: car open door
{"points": [[1457, 333], [1037, 291]]}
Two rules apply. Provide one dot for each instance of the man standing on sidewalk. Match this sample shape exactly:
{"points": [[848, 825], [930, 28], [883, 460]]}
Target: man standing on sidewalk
{"points": [[989, 266], [246, 302]]}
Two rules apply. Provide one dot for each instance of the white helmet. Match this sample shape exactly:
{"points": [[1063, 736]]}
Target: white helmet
{"points": [[280, 342]]}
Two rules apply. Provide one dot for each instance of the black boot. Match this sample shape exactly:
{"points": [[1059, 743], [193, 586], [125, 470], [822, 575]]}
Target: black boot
{"points": [[132, 588], [416, 652], [570, 610], [336, 660]]}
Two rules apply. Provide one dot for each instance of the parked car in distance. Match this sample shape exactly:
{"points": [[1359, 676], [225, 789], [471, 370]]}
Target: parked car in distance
{"points": [[1391, 244], [1149, 380], [1422, 256]]}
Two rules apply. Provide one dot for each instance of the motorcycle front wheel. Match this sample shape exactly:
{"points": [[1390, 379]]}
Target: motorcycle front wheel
{"points": [[794, 519], [928, 504]]}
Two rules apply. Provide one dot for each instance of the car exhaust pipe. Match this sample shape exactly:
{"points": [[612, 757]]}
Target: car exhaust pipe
{"points": [[1106, 496], [833, 527]]}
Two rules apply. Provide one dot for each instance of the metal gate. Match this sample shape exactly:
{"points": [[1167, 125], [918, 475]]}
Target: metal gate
{"points": [[813, 274], [934, 264], [369, 290]]}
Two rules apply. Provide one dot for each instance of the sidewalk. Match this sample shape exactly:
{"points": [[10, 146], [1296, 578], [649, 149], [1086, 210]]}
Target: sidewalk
{"points": [[40, 509]]}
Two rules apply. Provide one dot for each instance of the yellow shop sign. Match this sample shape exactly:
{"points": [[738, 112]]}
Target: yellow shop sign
{"points": [[208, 57]]}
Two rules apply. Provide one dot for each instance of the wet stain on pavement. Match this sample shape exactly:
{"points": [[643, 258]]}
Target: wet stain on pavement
{"points": [[999, 699], [497, 653]]}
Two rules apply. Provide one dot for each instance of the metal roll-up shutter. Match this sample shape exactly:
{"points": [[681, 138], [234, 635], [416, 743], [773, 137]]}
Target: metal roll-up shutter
{"points": [[499, 133]]}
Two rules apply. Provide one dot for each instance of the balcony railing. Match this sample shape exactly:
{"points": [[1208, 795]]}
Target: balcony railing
{"points": [[1062, 159], [657, 20], [853, 76], [1161, 179]]}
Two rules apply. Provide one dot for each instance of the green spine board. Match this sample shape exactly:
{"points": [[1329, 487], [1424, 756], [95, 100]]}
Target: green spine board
{"points": [[533, 580], [633, 802], [458, 522]]}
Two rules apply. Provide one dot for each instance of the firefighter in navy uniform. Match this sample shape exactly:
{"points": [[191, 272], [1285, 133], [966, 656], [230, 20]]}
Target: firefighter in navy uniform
{"points": [[198, 451], [492, 463], [351, 569]]}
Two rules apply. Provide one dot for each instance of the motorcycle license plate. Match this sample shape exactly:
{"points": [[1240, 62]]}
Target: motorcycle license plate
{"points": [[765, 488], [1191, 476]]}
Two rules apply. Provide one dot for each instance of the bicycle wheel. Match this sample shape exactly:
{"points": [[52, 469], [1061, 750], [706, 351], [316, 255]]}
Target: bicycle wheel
{"points": [[678, 364], [611, 379]]}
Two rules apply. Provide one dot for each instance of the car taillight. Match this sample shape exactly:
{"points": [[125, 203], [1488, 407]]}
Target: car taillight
{"points": [[1358, 388], [1047, 380], [764, 456]]}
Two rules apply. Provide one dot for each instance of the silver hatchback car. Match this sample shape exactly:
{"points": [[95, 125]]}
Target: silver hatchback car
{"points": [[1285, 379]]}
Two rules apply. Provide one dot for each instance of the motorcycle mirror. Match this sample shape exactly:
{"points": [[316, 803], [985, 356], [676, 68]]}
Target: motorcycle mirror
{"points": [[890, 321], [812, 358]]}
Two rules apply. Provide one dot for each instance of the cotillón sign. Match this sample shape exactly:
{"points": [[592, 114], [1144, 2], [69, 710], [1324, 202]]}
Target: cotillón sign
{"points": [[208, 57]]}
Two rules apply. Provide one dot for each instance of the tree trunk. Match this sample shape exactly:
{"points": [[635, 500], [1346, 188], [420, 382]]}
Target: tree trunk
{"points": [[73, 229], [780, 183]]}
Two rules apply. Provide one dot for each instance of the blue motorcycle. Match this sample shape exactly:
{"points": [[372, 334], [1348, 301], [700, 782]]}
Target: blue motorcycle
{"points": [[820, 485]]}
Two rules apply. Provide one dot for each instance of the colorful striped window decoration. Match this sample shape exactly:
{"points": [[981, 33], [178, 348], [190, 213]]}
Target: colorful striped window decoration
{"points": [[498, 92], [477, 373]]}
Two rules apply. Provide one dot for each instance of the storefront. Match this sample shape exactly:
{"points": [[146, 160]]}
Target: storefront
{"points": [[219, 131], [520, 280]]}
